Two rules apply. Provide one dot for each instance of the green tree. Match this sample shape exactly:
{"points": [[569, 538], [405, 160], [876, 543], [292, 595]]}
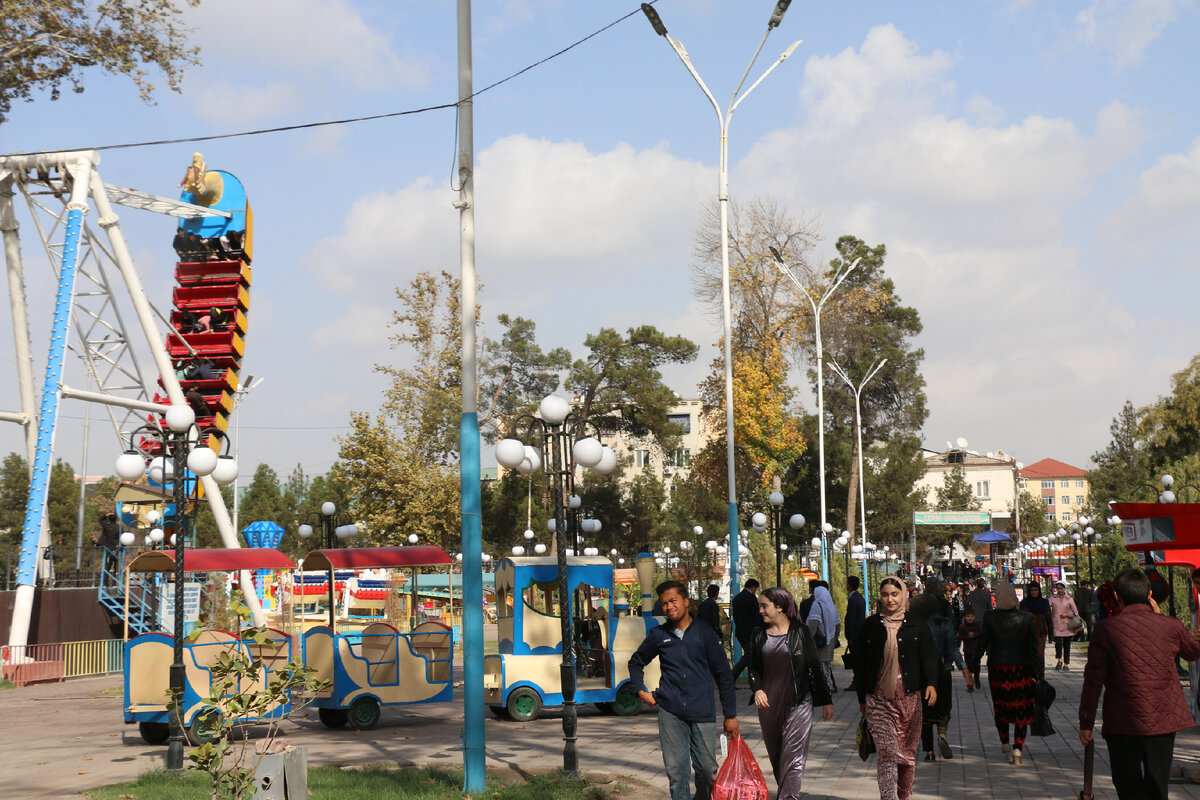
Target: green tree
{"points": [[515, 374], [264, 501], [14, 493], [619, 380], [403, 459], [46, 44], [955, 493]]}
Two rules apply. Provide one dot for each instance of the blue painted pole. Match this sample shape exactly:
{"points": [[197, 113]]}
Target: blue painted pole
{"points": [[39, 485], [472, 564]]}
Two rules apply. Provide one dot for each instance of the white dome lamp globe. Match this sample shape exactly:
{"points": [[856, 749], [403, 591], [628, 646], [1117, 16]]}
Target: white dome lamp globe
{"points": [[161, 470], [528, 534], [130, 466], [608, 461], [202, 461], [153, 516], [510, 453], [413, 538], [796, 521], [304, 531], [539, 548], [518, 551], [759, 521], [226, 471], [531, 460], [587, 452], [180, 417], [127, 539], [698, 530], [156, 535], [328, 509], [816, 541], [553, 409], [776, 499]]}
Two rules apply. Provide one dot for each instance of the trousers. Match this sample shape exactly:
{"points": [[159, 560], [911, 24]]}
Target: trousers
{"points": [[1141, 765], [683, 742]]}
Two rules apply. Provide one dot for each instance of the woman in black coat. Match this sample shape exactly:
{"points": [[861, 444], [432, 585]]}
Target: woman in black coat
{"points": [[896, 670], [1014, 664]]}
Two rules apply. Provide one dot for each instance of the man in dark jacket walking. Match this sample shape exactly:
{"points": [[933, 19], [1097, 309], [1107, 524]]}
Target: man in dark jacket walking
{"points": [[856, 612], [1132, 659], [980, 599], [690, 657], [746, 619]]}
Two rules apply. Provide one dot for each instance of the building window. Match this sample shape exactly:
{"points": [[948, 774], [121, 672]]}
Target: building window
{"points": [[1048, 516], [1066, 499], [1066, 484], [983, 489], [1078, 484], [684, 421], [1047, 484], [1078, 499], [641, 458], [680, 458], [1066, 516], [1048, 499]]}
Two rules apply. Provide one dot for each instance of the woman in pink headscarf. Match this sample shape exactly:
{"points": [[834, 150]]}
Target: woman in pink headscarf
{"points": [[897, 665]]}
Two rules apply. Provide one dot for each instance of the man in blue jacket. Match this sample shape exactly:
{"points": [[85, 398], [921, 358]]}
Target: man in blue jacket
{"points": [[690, 658]]}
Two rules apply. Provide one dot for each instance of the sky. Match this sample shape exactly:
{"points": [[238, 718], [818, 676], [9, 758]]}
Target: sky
{"points": [[1032, 167]]}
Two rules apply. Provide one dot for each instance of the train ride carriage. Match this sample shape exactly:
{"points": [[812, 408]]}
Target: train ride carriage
{"points": [[378, 666], [148, 657], [525, 677]]}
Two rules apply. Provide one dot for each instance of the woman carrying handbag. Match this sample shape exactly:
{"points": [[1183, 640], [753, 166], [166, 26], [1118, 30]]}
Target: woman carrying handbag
{"points": [[787, 682], [1014, 665], [897, 668]]}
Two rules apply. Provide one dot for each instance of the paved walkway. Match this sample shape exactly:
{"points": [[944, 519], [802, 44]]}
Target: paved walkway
{"points": [[58, 739]]}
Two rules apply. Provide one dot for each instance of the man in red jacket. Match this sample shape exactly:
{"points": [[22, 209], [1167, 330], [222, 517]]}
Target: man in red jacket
{"points": [[1132, 658]]}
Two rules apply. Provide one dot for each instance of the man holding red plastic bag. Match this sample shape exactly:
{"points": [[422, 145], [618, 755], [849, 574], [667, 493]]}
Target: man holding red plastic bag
{"points": [[691, 658]]}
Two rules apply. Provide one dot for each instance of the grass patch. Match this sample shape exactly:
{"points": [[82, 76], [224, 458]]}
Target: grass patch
{"points": [[112, 691], [369, 783], [7, 684]]}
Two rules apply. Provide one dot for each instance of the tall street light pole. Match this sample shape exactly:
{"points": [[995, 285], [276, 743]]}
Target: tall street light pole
{"points": [[817, 307], [723, 120], [862, 493], [471, 503]]}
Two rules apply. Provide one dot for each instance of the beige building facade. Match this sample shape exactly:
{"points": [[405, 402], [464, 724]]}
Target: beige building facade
{"points": [[992, 478]]}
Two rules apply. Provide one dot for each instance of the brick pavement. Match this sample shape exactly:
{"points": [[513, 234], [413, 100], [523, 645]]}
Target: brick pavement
{"points": [[58, 739]]}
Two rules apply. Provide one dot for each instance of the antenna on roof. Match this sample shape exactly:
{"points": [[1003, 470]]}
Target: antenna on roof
{"points": [[962, 443]]}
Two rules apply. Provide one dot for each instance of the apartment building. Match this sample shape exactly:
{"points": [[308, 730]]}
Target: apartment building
{"points": [[992, 478], [644, 454], [1062, 488]]}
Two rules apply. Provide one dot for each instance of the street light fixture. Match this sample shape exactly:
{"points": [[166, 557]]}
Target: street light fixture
{"points": [[817, 307], [723, 120], [563, 439], [190, 452], [330, 535]]}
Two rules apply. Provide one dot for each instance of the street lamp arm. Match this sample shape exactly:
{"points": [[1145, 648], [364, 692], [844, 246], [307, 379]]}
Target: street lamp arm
{"points": [[778, 258], [782, 57], [680, 51], [838, 280]]}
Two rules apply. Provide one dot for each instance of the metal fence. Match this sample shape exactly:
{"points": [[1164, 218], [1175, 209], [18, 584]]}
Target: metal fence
{"points": [[65, 574], [37, 663]]}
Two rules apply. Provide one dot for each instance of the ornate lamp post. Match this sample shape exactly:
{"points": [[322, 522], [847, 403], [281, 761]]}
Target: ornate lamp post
{"points": [[561, 434], [331, 534], [188, 451]]}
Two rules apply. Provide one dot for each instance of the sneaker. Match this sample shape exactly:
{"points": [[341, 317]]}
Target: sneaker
{"points": [[970, 689], [1058, 667], [930, 757], [944, 748], [1066, 668]]}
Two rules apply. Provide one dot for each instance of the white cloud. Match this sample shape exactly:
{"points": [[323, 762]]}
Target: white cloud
{"points": [[1125, 28], [220, 102], [317, 39], [1159, 219]]}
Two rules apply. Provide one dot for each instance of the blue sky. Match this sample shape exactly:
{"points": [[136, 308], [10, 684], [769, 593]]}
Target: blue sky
{"points": [[1033, 168]]}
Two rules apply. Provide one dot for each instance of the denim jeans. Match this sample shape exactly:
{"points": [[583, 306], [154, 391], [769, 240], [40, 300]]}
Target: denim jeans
{"points": [[682, 742]]}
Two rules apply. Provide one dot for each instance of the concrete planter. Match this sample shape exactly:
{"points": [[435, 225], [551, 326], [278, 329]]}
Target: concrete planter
{"points": [[282, 775]]}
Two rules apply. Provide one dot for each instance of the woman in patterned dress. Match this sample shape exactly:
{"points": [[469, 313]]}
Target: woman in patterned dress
{"points": [[1014, 664], [898, 667], [787, 682]]}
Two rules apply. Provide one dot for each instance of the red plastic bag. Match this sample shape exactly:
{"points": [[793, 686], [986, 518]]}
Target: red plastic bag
{"points": [[739, 777]]}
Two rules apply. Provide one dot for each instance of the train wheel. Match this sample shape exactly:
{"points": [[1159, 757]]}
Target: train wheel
{"points": [[524, 704], [332, 717], [605, 708], [500, 712], [154, 732], [364, 713], [627, 703], [205, 727]]}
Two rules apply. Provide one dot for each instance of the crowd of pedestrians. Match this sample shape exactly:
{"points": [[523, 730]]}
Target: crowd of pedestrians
{"points": [[903, 658]]}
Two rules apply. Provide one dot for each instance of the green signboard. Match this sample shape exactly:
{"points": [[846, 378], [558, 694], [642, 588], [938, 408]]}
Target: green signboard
{"points": [[952, 518]]}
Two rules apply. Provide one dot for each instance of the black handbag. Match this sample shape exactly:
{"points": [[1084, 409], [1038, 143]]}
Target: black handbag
{"points": [[1042, 726], [1044, 693], [864, 739]]}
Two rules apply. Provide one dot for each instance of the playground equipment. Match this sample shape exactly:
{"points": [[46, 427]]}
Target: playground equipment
{"points": [[148, 657], [58, 189], [379, 666], [525, 676]]}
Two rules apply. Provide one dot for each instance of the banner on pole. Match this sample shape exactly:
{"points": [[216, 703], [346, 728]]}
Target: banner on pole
{"points": [[951, 518]]}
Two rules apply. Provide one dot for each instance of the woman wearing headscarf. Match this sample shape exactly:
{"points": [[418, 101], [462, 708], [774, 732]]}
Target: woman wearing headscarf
{"points": [[787, 682], [1039, 607], [1063, 609], [1014, 664], [897, 668], [825, 625], [935, 610]]}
